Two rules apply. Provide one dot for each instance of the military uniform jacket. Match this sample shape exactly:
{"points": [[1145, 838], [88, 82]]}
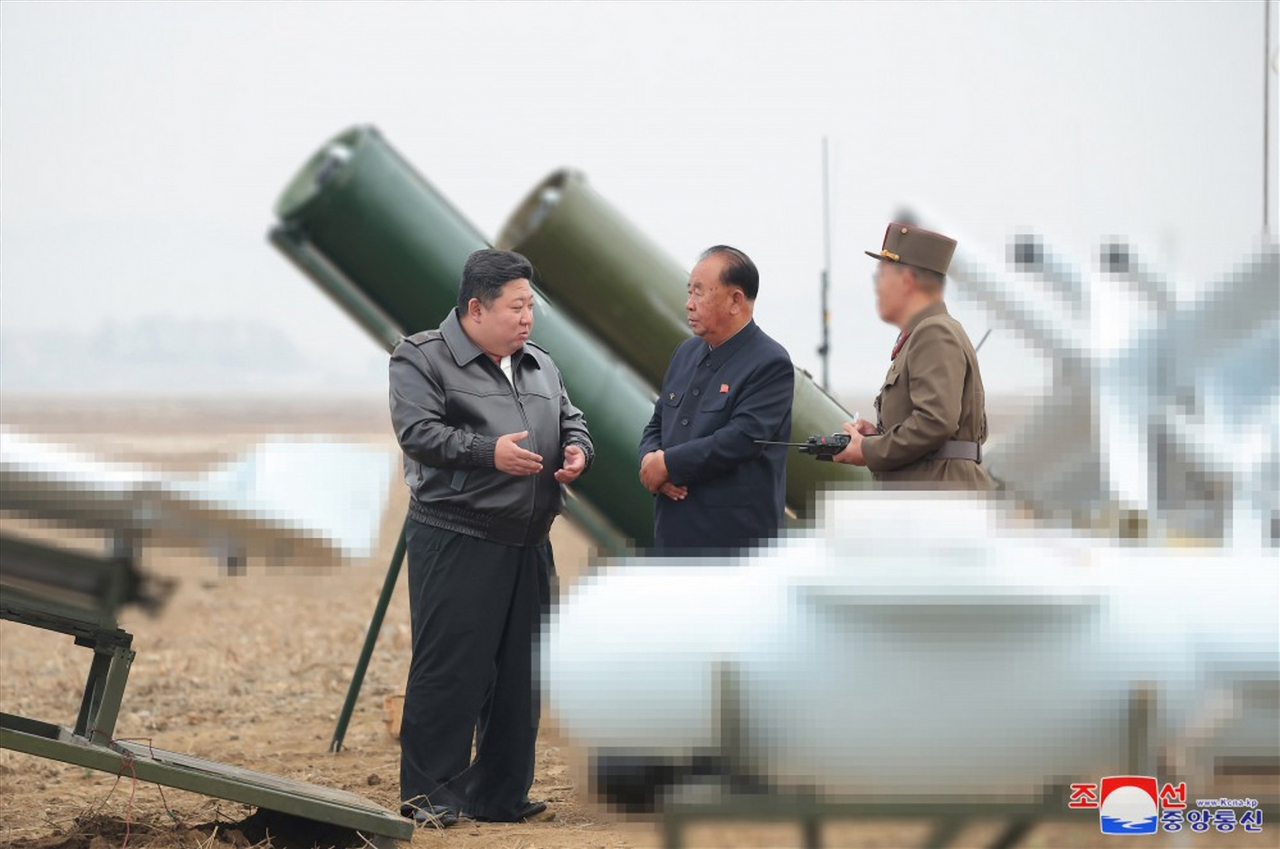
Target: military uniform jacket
{"points": [[714, 405], [932, 393]]}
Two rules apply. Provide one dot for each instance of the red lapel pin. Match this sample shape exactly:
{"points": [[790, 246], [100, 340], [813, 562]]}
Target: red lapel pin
{"points": [[724, 388]]}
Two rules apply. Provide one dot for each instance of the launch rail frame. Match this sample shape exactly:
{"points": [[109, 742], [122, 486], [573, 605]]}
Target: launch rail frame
{"points": [[77, 594]]}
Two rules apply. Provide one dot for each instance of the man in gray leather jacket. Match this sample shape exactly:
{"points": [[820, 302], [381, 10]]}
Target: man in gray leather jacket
{"points": [[489, 436]]}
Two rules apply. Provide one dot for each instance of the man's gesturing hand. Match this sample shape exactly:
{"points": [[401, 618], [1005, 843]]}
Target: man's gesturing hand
{"points": [[514, 460], [575, 460]]}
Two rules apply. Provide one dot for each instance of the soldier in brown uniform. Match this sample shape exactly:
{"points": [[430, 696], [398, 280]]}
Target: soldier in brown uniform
{"points": [[932, 418]]}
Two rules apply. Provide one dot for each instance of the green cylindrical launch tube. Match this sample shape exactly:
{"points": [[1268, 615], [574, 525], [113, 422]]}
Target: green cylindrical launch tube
{"points": [[378, 222], [615, 281]]}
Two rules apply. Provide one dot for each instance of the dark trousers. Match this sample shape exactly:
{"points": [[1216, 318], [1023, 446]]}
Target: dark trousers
{"points": [[476, 609]]}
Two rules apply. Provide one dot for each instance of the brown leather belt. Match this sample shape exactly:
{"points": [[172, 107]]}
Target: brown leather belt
{"points": [[957, 449]]}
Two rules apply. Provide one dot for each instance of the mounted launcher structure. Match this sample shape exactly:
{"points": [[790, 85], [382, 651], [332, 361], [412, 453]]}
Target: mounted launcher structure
{"points": [[389, 248]]}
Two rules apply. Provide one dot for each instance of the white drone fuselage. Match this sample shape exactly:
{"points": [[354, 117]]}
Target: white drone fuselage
{"points": [[925, 645]]}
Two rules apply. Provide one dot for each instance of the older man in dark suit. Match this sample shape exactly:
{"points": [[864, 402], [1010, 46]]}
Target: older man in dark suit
{"points": [[717, 489]]}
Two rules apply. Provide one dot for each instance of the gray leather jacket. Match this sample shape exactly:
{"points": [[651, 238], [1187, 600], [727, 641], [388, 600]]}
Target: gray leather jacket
{"points": [[449, 404]]}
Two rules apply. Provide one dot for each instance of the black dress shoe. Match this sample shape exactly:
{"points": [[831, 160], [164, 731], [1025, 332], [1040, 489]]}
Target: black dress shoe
{"points": [[530, 809], [434, 816]]}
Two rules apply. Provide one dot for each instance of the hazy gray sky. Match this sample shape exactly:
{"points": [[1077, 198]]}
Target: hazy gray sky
{"points": [[143, 145]]}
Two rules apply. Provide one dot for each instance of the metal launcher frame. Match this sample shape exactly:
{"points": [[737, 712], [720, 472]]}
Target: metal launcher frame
{"points": [[77, 594]]}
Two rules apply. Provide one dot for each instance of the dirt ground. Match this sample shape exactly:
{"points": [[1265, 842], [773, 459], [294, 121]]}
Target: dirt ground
{"points": [[252, 669]]}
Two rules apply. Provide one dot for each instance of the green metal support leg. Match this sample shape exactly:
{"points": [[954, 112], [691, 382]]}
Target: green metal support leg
{"points": [[370, 640], [92, 697], [811, 832], [104, 687], [104, 724], [944, 831]]}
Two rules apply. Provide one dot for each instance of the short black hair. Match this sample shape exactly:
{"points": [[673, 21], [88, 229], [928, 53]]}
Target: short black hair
{"points": [[486, 272], [738, 269]]}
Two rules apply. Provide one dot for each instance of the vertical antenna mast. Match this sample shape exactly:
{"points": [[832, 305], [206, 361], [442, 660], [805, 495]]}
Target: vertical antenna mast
{"points": [[1266, 122], [824, 350]]}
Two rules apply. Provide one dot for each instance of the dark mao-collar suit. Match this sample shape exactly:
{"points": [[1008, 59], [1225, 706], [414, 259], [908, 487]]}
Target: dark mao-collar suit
{"points": [[714, 405]]}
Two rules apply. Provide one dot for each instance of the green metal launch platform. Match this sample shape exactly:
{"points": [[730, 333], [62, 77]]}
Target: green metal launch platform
{"points": [[77, 594]]}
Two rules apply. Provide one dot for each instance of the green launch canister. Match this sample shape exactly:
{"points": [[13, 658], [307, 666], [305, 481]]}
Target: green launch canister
{"points": [[615, 281], [390, 248]]}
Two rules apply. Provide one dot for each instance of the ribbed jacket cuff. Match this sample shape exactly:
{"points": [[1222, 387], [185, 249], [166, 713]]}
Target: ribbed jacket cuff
{"points": [[482, 448], [586, 449]]}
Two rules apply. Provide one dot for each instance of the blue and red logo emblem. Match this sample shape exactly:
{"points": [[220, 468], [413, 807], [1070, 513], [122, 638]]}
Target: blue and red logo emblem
{"points": [[1129, 804]]}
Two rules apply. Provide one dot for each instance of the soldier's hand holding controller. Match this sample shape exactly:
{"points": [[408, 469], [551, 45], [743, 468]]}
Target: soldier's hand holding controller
{"points": [[514, 460], [856, 429]]}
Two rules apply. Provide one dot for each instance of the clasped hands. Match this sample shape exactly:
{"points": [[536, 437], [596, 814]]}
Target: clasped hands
{"points": [[511, 458], [852, 454], [654, 477]]}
